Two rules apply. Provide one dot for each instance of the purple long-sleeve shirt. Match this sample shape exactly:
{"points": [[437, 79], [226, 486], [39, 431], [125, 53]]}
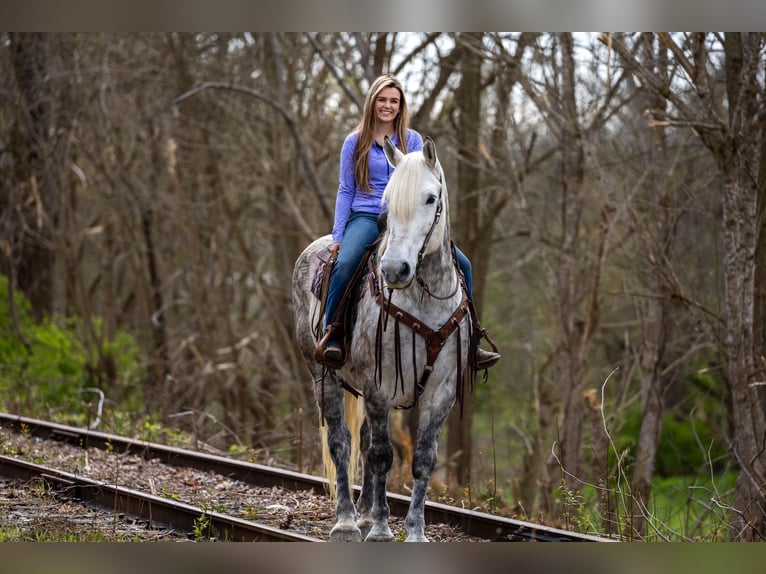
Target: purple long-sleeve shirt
{"points": [[350, 195]]}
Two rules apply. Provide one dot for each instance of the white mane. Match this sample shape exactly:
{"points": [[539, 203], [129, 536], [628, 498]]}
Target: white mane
{"points": [[402, 187]]}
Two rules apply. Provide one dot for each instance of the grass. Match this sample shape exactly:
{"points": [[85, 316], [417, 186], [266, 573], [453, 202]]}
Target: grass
{"points": [[695, 507], [681, 509]]}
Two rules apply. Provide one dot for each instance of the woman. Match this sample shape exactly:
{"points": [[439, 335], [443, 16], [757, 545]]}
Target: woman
{"points": [[364, 173]]}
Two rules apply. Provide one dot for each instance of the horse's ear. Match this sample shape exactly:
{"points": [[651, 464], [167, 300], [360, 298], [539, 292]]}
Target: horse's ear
{"points": [[393, 154], [429, 152]]}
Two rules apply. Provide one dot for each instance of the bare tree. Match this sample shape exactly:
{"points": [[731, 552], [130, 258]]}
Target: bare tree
{"points": [[468, 234], [655, 226], [576, 308], [30, 207], [574, 249], [724, 122], [485, 183]]}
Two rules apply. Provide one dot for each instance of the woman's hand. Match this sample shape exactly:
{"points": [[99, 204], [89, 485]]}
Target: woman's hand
{"points": [[334, 250]]}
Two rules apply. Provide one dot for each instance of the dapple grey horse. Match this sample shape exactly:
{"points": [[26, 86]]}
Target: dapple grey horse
{"points": [[409, 345]]}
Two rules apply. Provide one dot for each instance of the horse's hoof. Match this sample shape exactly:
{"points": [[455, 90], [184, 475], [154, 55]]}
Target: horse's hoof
{"points": [[379, 533], [345, 533], [365, 525], [416, 537]]}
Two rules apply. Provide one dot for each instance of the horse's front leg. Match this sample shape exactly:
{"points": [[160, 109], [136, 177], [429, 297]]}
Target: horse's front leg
{"points": [[379, 456], [423, 463], [339, 445]]}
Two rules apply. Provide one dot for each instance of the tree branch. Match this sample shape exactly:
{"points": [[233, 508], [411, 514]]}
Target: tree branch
{"points": [[353, 96], [304, 149]]}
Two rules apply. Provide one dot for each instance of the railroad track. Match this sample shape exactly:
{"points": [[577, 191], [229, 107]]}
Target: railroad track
{"points": [[154, 509], [476, 524]]}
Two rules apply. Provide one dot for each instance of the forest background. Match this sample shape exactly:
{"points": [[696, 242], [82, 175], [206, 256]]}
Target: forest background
{"points": [[608, 189]]}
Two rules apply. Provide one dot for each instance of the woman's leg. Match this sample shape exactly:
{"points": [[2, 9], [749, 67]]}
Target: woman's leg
{"points": [[361, 231], [465, 267]]}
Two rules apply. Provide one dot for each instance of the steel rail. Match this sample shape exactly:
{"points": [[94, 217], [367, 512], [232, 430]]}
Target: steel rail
{"points": [[473, 523], [154, 509]]}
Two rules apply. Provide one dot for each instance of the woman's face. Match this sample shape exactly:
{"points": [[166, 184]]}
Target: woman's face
{"points": [[387, 105]]}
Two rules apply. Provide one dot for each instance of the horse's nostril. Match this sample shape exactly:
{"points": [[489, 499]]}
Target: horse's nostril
{"points": [[396, 273]]}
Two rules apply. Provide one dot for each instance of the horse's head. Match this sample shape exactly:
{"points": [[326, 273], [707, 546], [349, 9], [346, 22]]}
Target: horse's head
{"points": [[417, 214]]}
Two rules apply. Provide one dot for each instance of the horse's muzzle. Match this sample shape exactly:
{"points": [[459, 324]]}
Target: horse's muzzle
{"points": [[397, 275]]}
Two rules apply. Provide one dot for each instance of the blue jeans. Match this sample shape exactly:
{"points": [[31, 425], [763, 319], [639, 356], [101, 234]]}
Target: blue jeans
{"points": [[361, 231]]}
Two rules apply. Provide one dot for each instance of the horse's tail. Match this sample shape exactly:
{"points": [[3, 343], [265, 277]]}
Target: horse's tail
{"points": [[327, 465], [354, 413]]}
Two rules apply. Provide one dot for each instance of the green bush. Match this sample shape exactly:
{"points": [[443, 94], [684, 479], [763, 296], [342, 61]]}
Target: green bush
{"points": [[689, 442], [46, 369], [687, 448]]}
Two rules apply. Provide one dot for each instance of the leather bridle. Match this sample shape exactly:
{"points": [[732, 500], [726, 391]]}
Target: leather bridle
{"points": [[422, 252]]}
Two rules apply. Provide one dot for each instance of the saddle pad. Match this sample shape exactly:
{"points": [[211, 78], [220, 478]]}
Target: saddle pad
{"points": [[316, 282]]}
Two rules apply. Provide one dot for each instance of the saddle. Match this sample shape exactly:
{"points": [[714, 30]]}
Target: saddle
{"points": [[343, 320]]}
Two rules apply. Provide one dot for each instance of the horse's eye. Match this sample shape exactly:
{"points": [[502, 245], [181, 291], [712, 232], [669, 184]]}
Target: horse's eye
{"points": [[430, 200]]}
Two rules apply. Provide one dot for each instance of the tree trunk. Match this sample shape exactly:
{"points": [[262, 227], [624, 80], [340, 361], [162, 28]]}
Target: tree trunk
{"points": [[739, 156], [467, 221], [759, 320], [654, 335], [572, 330], [34, 177], [749, 426], [657, 241]]}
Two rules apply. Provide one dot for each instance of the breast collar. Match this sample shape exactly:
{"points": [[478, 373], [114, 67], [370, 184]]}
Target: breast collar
{"points": [[434, 339]]}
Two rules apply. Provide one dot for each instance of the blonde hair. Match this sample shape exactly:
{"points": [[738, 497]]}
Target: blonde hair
{"points": [[366, 127]]}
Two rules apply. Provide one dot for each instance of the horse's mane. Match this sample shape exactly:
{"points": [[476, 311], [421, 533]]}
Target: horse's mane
{"points": [[406, 177], [402, 194]]}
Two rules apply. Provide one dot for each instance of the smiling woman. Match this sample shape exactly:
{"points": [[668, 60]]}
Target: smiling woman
{"points": [[364, 174]]}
